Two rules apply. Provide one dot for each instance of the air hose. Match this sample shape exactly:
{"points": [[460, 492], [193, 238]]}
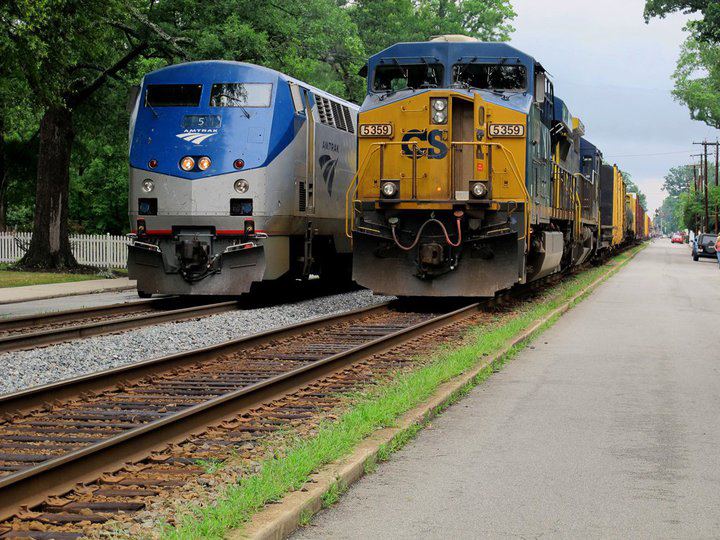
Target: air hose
{"points": [[417, 236]]}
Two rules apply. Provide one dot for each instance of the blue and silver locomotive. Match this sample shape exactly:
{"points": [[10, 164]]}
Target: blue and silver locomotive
{"points": [[238, 175]]}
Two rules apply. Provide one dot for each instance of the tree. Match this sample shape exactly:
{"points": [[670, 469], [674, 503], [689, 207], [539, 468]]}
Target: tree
{"points": [[678, 180], [697, 80], [667, 214], [633, 188], [313, 40], [706, 29], [383, 23], [68, 50], [697, 77]]}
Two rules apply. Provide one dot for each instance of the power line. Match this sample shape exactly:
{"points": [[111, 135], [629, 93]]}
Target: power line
{"points": [[643, 155]]}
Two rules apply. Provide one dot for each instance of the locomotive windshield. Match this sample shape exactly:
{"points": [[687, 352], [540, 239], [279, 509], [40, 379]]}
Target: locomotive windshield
{"points": [[173, 95], [500, 77], [399, 77], [241, 95]]}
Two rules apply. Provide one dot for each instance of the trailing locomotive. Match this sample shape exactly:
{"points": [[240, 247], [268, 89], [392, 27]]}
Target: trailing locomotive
{"points": [[473, 176], [237, 175]]}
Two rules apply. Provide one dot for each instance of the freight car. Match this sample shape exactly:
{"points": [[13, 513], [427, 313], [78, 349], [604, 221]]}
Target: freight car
{"points": [[612, 209], [237, 176], [469, 173]]}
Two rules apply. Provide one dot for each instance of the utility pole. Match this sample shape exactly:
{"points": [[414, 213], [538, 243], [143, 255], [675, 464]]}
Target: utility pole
{"points": [[704, 170], [717, 169]]}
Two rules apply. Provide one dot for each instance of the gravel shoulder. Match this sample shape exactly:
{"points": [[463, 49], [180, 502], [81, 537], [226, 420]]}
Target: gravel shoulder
{"points": [[25, 369]]}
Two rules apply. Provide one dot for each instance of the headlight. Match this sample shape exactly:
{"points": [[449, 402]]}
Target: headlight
{"points": [[204, 163], [479, 190], [439, 117], [439, 104], [241, 186], [389, 189], [148, 185], [187, 163]]}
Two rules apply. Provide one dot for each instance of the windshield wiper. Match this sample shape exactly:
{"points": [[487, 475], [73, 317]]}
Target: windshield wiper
{"points": [[502, 93], [236, 100], [155, 114]]}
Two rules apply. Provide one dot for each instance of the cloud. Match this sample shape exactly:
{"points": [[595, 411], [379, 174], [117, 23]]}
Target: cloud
{"points": [[614, 72]]}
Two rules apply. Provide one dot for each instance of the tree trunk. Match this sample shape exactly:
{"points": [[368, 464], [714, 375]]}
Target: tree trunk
{"points": [[50, 245], [3, 174]]}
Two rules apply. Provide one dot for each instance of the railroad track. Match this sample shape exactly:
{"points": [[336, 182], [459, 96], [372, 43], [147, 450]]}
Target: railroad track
{"points": [[88, 430], [48, 328]]}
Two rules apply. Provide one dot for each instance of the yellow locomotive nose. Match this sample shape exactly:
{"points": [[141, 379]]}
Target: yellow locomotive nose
{"points": [[441, 148]]}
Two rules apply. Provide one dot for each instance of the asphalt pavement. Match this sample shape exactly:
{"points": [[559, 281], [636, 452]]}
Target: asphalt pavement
{"points": [[607, 426], [34, 307]]}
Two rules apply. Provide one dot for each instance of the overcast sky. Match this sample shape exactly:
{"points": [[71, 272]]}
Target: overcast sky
{"points": [[614, 73]]}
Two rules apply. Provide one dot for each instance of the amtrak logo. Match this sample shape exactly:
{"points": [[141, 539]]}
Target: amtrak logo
{"points": [[327, 165], [195, 137]]}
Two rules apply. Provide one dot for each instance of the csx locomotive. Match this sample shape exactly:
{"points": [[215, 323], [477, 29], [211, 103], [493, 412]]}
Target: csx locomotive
{"points": [[237, 175], [473, 176]]}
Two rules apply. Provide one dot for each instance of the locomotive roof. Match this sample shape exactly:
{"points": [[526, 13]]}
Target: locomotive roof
{"points": [[453, 52], [204, 69], [589, 149]]}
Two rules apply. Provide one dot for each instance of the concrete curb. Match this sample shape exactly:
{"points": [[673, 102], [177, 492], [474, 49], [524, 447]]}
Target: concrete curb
{"points": [[278, 521], [19, 298]]}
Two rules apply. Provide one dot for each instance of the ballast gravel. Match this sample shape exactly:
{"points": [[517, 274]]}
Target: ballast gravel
{"points": [[24, 369]]}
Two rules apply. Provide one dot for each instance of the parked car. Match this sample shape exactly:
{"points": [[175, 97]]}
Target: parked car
{"points": [[704, 246], [677, 238]]}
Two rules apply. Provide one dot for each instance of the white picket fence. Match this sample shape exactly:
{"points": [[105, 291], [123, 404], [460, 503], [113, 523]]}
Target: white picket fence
{"points": [[105, 251]]}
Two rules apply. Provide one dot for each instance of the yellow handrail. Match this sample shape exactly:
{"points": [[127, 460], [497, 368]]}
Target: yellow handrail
{"points": [[516, 173], [349, 216], [352, 188]]}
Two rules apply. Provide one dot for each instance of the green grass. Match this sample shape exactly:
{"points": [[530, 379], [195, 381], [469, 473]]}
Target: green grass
{"points": [[381, 408], [15, 278]]}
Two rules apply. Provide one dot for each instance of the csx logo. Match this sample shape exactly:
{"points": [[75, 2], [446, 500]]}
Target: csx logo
{"points": [[438, 149]]}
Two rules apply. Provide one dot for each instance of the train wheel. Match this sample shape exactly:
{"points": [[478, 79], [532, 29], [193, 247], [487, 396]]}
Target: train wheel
{"points": [[143, 294]]}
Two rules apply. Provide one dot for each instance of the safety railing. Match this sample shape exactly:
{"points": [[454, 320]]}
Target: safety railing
{"points": [[381, 148], [564, 188]]}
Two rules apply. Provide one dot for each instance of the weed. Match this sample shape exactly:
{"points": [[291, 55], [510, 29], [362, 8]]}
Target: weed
{"points": [[211, 466]]}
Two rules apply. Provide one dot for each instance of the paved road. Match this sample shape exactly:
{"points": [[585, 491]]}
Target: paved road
{"points": [[609, 427]]}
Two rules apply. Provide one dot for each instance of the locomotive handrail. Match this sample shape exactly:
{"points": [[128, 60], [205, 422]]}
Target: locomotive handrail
{"points": [[379, 146], [516, 173], [350, 215], [349, 193]]}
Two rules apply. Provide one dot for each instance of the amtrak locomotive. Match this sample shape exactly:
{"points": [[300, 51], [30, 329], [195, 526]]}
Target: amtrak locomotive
{"points": [[238, 175]]}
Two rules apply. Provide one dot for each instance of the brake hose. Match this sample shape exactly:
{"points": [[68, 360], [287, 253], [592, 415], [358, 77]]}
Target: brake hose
{"points": [[417, 236]]}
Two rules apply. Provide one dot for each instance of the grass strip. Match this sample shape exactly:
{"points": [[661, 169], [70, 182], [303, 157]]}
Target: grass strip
{"points": [[379, 409], [15, 278]]}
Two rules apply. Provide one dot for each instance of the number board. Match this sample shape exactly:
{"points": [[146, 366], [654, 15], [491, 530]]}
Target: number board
{"points": [[506, 130], [197, 121], [376, 130]]}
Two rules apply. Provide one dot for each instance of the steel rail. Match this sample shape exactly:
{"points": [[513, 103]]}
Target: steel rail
{"points": [[56, 476], [75, 331], [24, 400]]}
